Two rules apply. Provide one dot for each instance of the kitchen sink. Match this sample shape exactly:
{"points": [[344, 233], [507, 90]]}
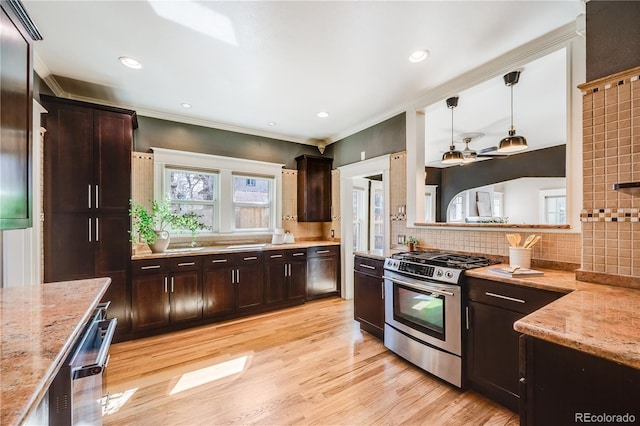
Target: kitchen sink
{"points": [[246, 246], [185, 249]]}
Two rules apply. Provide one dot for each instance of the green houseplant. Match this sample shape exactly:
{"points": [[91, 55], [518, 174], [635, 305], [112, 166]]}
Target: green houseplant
{"points": [[152, 227], [411, 242]]}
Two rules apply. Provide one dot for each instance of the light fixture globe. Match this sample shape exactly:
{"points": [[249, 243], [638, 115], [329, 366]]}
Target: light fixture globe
{"points": [[453, 156], [513, 142]]}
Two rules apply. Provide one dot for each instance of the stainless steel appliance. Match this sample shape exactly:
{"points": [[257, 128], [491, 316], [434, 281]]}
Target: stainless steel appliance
{"points": [[76, 392], [423, 309]]}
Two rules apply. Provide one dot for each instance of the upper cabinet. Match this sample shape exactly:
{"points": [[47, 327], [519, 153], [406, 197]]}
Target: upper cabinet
{"points": [[17, 33], [314, 188]]}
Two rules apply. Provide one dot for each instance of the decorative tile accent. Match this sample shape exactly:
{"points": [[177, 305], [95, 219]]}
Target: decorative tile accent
{"points": [[399, 217], [610, 215]]}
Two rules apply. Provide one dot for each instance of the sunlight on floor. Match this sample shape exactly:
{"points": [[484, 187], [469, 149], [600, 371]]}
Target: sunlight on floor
{"points": [[112, 403], [210, 374]]}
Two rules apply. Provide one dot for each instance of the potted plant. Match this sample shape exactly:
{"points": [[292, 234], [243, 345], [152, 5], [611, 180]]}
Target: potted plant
{"points": [[411, 243], [152, 227]]}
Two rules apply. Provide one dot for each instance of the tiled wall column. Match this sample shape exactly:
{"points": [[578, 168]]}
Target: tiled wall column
{"points": [[611, 154]]}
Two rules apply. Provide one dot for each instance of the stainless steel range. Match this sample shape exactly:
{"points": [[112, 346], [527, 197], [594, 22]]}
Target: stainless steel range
{"points": [[423, 309]]}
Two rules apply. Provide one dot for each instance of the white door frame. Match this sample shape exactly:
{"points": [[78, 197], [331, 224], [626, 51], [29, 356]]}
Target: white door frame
{"points": [[373, 166]]}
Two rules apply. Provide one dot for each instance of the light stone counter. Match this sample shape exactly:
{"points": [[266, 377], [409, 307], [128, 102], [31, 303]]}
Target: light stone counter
{"points": [[39, 326], [598, 319], [203, 251]]}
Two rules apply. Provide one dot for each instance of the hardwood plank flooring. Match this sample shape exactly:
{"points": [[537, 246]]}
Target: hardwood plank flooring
{"points": [[307, 365]]}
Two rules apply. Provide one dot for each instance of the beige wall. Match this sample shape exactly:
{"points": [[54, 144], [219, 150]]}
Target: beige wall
{"points": [[611, 154]]}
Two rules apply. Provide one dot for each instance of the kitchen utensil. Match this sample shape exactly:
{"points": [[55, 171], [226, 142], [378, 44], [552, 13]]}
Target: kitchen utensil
{"points": [[518, 238], [528, 240], [534, 241], [512, 240]]}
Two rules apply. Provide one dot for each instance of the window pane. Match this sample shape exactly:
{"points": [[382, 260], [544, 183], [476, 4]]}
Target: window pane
{"points": [[191, 185], [251, 190], [205, 211], [252, 217]]}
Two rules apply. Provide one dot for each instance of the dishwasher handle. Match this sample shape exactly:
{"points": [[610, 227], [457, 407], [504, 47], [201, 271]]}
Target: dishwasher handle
{"points": [[106, 329]]}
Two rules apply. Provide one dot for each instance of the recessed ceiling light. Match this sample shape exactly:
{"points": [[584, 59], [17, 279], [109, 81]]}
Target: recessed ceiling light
{"points": [[185, 105], [271, 123], [419, 55], [130, 62], [323, 114]]}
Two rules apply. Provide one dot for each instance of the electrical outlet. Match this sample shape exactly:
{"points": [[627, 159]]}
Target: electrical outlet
{"points": [[402, 239], [362, 155], [332, 233]]}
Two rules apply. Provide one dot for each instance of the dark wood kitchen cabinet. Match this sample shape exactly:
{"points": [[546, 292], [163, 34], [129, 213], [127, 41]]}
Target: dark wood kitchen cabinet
{"points": [[561, 385], [314, 188], [368, 295], [16, 115], [87, 186], [285, 276], [492, 359], [233, 283], [323, 271], [165, 292]]}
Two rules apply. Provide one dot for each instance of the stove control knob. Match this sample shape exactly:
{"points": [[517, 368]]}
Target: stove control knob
{"points": [[438, 272], [449, 274]]}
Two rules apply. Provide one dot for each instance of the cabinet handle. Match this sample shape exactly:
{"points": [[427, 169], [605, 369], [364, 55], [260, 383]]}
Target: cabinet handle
{"points": [[322, 251], [233, 276], [382, 290], [90, 230], [97, 197], [172, 284], [466, 314], [275, 256], [251, 258], [362, 265], [289, 269], [237, 276], [165, 284], [187, 264], [285, 269], [219, 261], [299, 254], [89, 195], [150, 267], [499, 296], [97, 229]]}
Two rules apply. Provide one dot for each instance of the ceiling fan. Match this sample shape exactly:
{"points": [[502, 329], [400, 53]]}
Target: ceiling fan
{"points": [[469, 155]]}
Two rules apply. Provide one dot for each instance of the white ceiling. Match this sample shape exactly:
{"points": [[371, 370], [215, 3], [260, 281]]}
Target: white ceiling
{"points": [[244, 64]]}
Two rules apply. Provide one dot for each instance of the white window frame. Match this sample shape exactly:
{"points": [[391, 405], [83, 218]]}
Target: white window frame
{"points": [[215, 202], [543, 194], [226, 168], [269, 204]]}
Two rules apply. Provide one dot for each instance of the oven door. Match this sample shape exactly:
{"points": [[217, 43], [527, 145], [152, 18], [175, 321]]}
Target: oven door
{"points": [[425, 310]]}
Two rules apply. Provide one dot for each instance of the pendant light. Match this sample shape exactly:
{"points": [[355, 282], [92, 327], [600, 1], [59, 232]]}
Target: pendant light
{"points": [[452, 156], [512, 143]]}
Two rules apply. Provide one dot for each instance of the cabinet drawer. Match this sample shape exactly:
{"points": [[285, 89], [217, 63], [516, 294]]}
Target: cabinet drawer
{"points": [[323, 251], [185, 263], [276, 255], [368, 265], [149, 266], [297, 254], [217, 260], [509, 296], [249, 258]]}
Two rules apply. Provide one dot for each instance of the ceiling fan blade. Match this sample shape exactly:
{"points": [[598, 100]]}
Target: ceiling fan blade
{"points": [[488, 149]]}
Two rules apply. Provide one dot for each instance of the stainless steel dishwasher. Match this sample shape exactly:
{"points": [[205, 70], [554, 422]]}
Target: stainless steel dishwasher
{"points": [[76, 392]]}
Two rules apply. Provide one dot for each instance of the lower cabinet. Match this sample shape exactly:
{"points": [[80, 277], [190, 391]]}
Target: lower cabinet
{"points": [[563, 386], [232, 283], [165, 292], [368, 295], [285, 274], [492, 356], [323, 271]]}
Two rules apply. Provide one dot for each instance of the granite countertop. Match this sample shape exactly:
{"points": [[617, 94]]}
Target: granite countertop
{"points": [[378, 254], [39, 326], [598, 319], [202, 251]]}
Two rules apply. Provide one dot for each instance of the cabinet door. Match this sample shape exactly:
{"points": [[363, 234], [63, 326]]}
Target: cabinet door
{"points": [[368, 300], [275, 277], [297, 280], [186, 292], [113, 138], [112, 246], [493, 353], [69, 247], [149, 302], [250, 281], [118, 295], [68, 158], [322, 276], [219, 292]]}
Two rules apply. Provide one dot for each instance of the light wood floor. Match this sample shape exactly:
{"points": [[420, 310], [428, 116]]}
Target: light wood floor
{"points": [[303, 365]]}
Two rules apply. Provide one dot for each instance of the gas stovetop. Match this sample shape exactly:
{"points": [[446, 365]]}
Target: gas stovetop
{"points": [[439, 266], [443, 258]]}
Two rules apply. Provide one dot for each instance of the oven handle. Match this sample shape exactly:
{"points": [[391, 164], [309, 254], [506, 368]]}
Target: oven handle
{"points": [[421, 287], [103, 353]]}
